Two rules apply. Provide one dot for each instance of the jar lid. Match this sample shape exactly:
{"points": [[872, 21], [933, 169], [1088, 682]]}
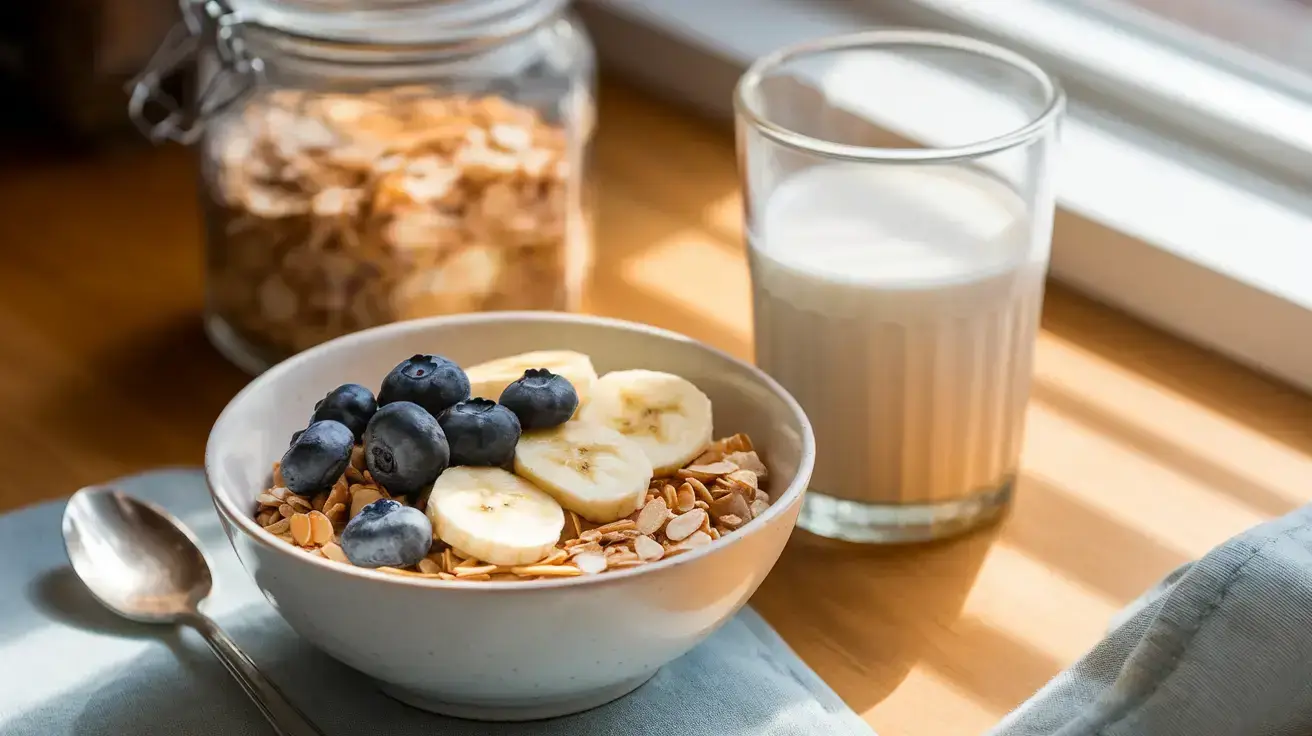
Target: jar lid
{"points": [[349, 22], [397, 21]]}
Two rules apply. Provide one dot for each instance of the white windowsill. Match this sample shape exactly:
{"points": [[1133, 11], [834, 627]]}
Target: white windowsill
{"points": [[1170, 231]]}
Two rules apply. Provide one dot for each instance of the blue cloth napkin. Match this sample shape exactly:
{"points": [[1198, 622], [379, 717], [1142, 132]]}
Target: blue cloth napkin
{"points": [[67, 666], [1221, 647]]}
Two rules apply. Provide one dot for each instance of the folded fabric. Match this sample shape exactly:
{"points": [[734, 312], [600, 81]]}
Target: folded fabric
{"points": [[67, 666], [1222, 647]]}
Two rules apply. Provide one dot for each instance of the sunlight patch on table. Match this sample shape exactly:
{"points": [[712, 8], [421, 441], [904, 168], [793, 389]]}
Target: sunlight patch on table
{"points": [[1157, 410], [725, 215], [47, 664], [693, 271], [1036, 604], [1130, 487], [53, 661], [904, 711]]}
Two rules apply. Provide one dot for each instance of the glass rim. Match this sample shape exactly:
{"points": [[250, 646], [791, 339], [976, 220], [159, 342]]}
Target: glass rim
{"points": [[1055, 97]]}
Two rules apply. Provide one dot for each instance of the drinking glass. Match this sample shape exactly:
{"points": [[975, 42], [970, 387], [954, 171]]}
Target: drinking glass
{"points": [[898, 196]]}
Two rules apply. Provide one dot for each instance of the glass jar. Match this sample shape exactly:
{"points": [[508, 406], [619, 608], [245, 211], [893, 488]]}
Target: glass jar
{"points": [[367, 162]]}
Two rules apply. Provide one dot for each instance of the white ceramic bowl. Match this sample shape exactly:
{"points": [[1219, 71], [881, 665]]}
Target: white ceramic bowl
{"points": [[509, 650]]}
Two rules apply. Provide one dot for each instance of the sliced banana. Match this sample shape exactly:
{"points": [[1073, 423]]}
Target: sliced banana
{"points": [[494, 515], [590, 469], [489, 379], [666, 415]]}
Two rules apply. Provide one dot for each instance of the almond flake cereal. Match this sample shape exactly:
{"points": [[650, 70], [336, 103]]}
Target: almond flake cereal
{"points": [[652, 516], [590, 562], [648, 549], [698, 539], [683, 525], [627, 480], [584, 548], [703, 493], [300, 529], [748, 460], [707, 473], [684, 498], [671, 498], [321, 529], [334, 552], [730, 504]]}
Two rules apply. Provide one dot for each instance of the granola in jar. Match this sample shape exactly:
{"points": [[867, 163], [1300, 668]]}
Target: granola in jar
{"points": [[332, 213], [367, 162]]}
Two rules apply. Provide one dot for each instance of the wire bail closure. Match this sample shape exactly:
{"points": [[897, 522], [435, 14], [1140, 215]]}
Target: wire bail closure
{"points": [[160, 116]]}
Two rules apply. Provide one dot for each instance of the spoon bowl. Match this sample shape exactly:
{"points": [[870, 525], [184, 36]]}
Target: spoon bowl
{"points": [[133, 557]]}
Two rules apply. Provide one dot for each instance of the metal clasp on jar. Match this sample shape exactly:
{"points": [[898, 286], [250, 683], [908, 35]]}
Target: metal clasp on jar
{"points": [[160, 116]]}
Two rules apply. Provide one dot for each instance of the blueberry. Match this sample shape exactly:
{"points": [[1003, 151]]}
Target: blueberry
{"points": [[351, 404], [387, 533], [541, 399], [317, 458], [480, 432], [430, 381], [405, 448]]}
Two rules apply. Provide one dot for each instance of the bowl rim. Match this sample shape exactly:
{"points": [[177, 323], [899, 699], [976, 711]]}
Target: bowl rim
{"points": [[247, 525]]}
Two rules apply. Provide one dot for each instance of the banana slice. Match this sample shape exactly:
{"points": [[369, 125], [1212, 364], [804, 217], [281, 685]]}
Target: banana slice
{"points": [[494, 515], [590, 469], [666, 415], [489, 379]]}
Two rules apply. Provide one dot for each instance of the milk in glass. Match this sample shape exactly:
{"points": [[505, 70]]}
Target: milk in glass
{"points": [[899, 305]]}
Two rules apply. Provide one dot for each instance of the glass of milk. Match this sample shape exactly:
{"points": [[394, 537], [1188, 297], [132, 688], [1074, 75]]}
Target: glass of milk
{"points": [[899, 201]]}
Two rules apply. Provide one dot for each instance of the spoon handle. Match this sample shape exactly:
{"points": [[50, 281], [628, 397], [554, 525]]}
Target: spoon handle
{"points": [[286, 718]]}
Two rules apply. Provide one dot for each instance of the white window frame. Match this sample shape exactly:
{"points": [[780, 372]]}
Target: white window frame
{"points": [[1191, 212]]}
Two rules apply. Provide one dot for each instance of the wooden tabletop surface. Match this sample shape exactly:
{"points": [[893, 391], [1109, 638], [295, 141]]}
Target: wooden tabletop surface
{"points": [[1142, 451]]}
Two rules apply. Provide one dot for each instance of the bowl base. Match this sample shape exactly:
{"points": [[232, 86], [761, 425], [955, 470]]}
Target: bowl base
{"points": [[529, 710]]}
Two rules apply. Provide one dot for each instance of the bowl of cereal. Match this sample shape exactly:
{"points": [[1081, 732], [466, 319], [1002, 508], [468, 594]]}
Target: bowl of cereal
{"points": [[511, 515]]}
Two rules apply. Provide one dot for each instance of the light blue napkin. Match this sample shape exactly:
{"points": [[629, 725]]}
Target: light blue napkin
{"points": [[67, 666], [1222, 647]]}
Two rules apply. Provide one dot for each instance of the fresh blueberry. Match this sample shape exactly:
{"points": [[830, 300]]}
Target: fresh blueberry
{"points": [[317, 458], [541, 399], [480, 432], [430, 381], [351, 404], [387, 533], [405, 448]]}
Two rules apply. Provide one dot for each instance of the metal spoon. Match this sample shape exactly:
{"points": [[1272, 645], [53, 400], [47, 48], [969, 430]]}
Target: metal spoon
{"points": [[145, 566]]}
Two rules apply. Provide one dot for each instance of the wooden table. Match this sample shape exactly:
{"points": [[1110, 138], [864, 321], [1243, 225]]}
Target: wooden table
{"points": [[1142, 451]]}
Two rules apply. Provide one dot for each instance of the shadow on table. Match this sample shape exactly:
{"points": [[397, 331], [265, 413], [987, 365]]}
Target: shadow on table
{"points": [[1059, 529], [1246, 489], [62, 596], [862, 616], [150, 401], [175, 686]]}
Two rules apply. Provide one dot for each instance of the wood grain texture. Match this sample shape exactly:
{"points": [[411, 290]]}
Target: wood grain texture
{"points": [[1142, 451]]}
